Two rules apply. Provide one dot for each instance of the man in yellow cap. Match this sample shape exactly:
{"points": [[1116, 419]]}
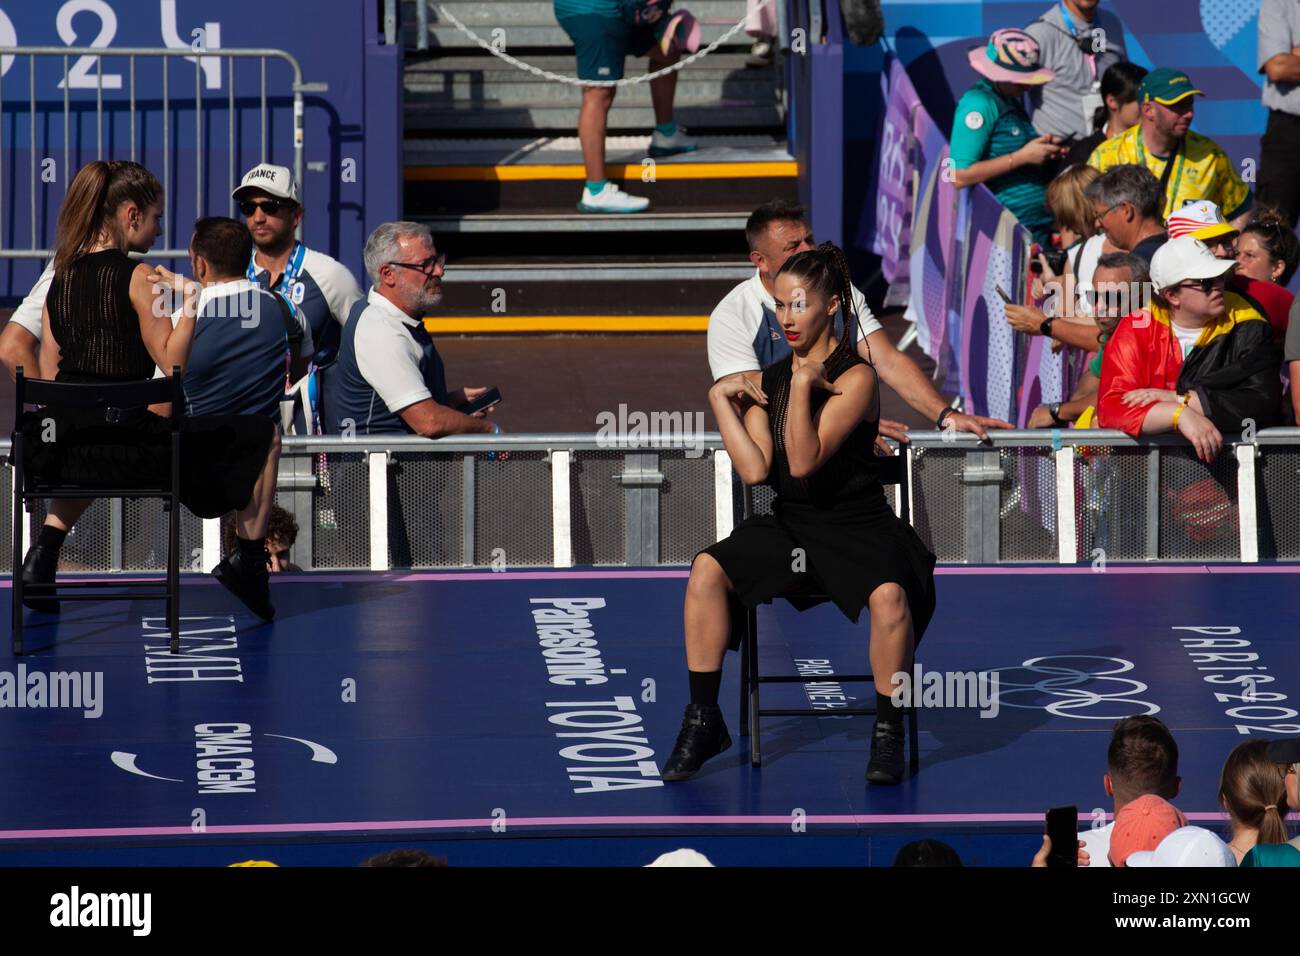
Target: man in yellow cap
{"points": [[1189, 166]]}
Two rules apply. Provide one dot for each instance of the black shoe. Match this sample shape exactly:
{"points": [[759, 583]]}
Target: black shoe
{"points": [[886, 764], [38, 574], [249, 581], [703, 735]]}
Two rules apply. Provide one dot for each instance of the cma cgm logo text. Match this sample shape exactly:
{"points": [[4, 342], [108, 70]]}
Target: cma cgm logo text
{"points": [[224, 761]]}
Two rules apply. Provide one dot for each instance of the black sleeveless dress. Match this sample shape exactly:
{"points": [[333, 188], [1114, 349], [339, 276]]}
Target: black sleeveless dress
{"points": [[98, 331], [851, 540]]}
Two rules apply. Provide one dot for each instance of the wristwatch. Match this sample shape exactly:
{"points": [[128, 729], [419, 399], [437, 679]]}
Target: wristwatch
{"points": [[1046, 327], [943, 417], [1054, 410]]}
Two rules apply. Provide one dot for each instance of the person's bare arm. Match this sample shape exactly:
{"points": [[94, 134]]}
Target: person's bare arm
{"points": [[168, 346], [738, 406], [18, 348], [811, 440], [432, 420], [1283, 68], [1034, 153], [906, 378]]}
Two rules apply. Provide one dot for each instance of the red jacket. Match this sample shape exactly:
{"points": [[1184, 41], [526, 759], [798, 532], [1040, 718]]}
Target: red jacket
{"points": [[1273, 300], [1233, 368]]}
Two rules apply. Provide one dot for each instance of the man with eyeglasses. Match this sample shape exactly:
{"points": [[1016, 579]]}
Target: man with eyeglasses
{"points": [[1189, 166], [320, 287], [1200, 361], [389, 378], [1126, 201]]}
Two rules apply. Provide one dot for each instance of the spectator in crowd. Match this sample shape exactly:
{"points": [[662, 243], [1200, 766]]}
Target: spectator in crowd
{"points": [[241, 331], [1118, 284], [1119, 109], [1267, 248], [1204, 220], [760, 23], [993, 140], [1285, 755], [281, 534], [1079, 42], [389, 378], [405, 858], [604, 32], [1200, 361], [1189, 165], [744, 335], [926, 853], [1126, 200], [319, 287], [1142, 760], [1142, 825], [1278, 50], [102, 323], [1185, 847], [22, 333], [1254, 796], [1066, 315]]}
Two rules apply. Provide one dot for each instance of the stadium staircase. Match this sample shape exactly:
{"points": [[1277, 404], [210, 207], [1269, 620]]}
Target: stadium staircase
{"points": [[492, 163]]}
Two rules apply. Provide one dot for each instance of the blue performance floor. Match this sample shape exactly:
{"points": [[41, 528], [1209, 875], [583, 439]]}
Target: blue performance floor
{"points": [[423, 710]]}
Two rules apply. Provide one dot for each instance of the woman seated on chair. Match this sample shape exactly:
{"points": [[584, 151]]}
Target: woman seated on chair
{"points": [[809, 431], [105, 321]]}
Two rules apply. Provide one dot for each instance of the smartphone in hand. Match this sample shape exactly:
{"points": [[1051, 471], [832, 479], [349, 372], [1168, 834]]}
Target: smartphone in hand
{"points": [[1063, 829], [1003, 294], [486, 400]]}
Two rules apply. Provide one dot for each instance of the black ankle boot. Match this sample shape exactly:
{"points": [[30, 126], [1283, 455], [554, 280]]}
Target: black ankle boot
{"points": [[248, 580], [38, 574], [703, 735], [886, 764]]}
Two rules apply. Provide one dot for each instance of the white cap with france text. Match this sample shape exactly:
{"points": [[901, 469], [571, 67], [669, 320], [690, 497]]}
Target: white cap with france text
{"points": [[1185, 258], [272, 180]]}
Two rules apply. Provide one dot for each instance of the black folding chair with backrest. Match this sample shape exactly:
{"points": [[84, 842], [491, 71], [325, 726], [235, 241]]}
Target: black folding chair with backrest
{"points": [[113, 398], [893, 471]]}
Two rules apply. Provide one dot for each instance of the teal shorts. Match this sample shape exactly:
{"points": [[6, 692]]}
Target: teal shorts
{"points": [[602, 43]]}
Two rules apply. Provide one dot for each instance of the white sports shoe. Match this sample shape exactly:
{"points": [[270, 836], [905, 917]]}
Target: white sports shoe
{"points": [[679, 142], [611, 199]]}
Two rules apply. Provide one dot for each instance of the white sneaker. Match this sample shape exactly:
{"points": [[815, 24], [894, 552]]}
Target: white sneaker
{"points": [[611, 199], [679, 142]]}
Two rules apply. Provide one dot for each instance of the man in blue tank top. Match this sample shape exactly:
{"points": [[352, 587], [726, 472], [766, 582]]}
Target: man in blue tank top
{"points": [[320, 287], [242, 332], [389, 378]]}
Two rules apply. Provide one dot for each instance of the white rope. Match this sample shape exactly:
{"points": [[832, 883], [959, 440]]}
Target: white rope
{"points": [[573, 80]]}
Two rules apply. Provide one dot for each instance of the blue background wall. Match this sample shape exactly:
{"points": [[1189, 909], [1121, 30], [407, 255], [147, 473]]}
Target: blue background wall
{"points": [[337, 42]]}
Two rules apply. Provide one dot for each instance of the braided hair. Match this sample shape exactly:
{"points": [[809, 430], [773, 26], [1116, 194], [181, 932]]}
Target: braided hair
{"points": [[825, 270]]}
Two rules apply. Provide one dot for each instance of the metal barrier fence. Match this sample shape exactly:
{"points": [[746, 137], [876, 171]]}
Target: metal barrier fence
{"points": [[205, 61], [560, 500]]}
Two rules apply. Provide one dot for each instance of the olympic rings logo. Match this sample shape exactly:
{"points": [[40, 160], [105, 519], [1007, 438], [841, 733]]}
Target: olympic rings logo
{"points": [[1063, 683]]}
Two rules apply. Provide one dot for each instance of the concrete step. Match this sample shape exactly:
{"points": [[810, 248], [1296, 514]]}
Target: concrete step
{"points": [[427, 115], [516, 151]]}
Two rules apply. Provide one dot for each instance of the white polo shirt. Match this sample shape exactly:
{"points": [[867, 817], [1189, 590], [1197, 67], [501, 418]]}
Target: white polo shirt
{"points": [[28, 313], [744, 335]]}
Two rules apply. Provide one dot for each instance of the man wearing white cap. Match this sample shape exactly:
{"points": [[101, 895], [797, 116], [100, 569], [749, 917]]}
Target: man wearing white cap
{"points": [[320, 287], [1199, 361]]}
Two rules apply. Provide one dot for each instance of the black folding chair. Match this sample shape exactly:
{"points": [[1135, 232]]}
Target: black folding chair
{"points": [[112, 397], [893, 471]]}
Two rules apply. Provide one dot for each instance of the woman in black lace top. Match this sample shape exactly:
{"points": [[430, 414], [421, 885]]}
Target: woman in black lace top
{"points": [[105, 321], [810, 433]]}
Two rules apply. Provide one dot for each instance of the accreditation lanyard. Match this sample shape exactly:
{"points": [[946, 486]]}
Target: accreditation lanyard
{"points": [[291, 268], [1179, 155], [1068, 19]]}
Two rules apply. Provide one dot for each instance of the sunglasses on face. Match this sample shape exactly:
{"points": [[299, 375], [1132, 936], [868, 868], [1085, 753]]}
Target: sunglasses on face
{"points": [[1205, 285], [427, 266], [271, 207]]}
